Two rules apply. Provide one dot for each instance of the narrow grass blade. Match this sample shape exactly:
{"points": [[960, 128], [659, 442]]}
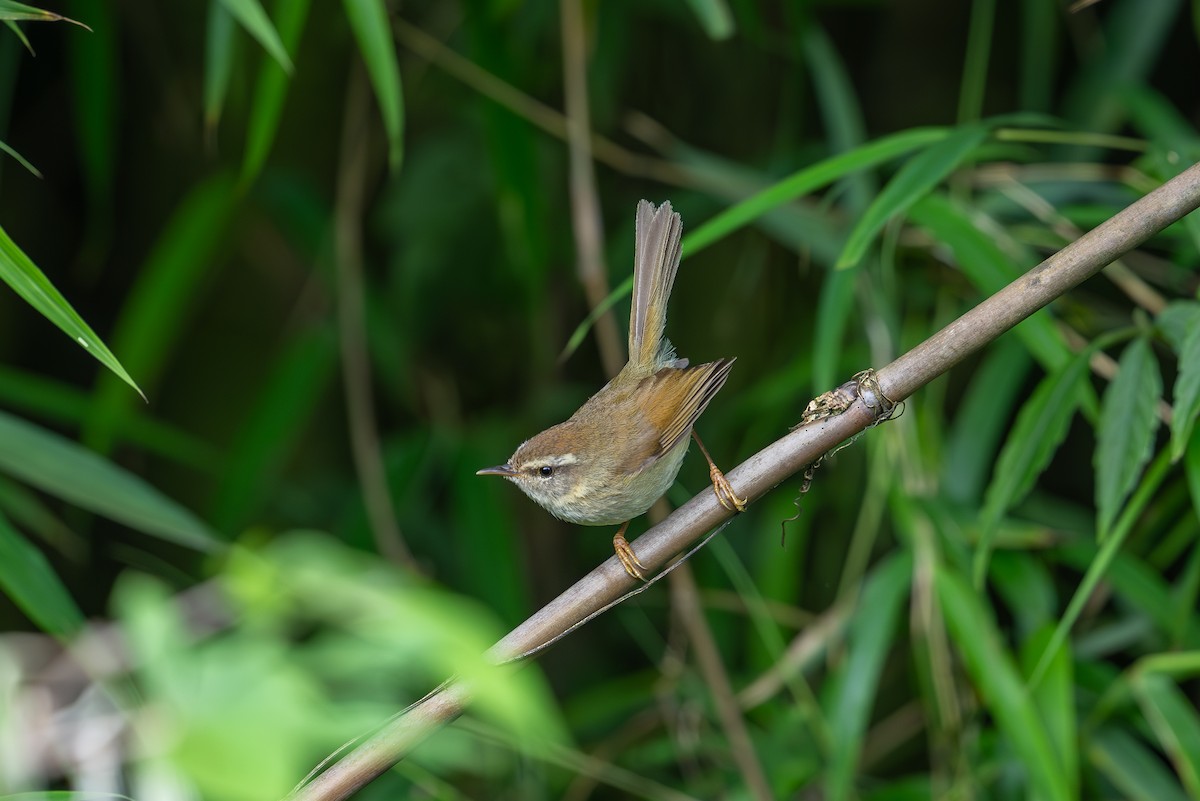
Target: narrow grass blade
{"points": [[10, 10], [1038, 55], [1040, 427], [20, 34], [1054, 700], [989, 268], [912, 181], [1104, 558], [27, 578], [1125, 436], [1186, 394], [19, 272], [975, 68], [75, 474], [369, 21], [219, 53], [714, 17], [991, 669], [982, 419], [1176, 724], [872, 629], [252, 17], [270, 91], [809, 179], [1136, 771], [20, 159]]}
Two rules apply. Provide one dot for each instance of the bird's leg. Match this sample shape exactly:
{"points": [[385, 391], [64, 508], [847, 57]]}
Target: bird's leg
{"points": [[629, 560], [725, 494]]}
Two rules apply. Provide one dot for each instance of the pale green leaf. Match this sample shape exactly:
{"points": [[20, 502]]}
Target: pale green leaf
{"points": [[369, 21], [75, 474], [27, 578], [1125, 436], [254, 19], [911, 182], [19, 272], [1186, 394]]}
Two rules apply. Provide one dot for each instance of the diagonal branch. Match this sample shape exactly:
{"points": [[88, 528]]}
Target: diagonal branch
{"points": [[776, 463]]}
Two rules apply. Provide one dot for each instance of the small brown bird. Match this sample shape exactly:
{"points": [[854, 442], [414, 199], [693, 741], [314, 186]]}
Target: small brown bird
{"points": [[621, 451]]}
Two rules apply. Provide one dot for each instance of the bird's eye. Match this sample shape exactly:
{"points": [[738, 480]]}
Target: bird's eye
{"points": [[546, 471]]}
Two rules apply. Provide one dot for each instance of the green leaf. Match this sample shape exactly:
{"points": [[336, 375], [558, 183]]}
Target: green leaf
{"points": [[808, 180], [32, 284], [10, 10], [1054, 700], [270, 91], [75, 474], [1176, 321], [1186, 394], [1175, 723], [369, 21], [982, 420], [1104, 558], [1125, 436], [989, 268], [1134, 769], [991, 669], [20, 34], [1040, 427], [871, 632], [27, 578], [219, 52], [252, 17], [715, 18], [912, 181]]}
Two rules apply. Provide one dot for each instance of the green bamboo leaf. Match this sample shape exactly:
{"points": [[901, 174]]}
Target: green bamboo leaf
{"points": [[79, 476], [1054, 700], [1104, 558], [872, 629], [798, 184], [1186, 393], [1175, 723], [27, 578], [1040, 427], [20, 34], [1136, 771], [20, 159], [989, 268], [809, 179], [10, 10], [991, 669], [1176, 321], [19, 272], [369, 21], [270, 90], [256, 22], [219, 53], [1125, 436], [912, 181], [714, 17]]}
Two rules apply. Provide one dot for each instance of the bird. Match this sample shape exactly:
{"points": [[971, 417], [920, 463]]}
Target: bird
{"points": [[621, 451]]}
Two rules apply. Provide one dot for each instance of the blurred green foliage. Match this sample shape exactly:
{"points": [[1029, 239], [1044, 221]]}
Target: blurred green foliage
{"points": [[251, 201]]}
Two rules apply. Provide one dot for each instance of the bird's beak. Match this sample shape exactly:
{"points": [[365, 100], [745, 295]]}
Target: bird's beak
{"points": [[499, 470]]}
